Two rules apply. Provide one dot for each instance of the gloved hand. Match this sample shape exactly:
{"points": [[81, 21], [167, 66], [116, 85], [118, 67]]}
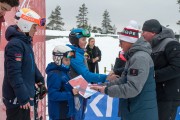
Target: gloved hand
{"points": [[42, 90]]}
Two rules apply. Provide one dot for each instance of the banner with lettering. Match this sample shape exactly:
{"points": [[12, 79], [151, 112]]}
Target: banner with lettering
{"points": [[102, 107]]}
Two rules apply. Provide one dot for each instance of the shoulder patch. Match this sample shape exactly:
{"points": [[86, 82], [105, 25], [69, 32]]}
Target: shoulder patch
{"points": [[133, 72], [18, 57]]}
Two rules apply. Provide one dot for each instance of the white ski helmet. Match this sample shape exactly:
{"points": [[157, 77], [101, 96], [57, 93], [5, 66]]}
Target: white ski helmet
{"points": [[26, 17], [61, 51]]}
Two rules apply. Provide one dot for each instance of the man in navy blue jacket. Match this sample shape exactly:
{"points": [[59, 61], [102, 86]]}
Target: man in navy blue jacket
{"points": [[20, 70]]}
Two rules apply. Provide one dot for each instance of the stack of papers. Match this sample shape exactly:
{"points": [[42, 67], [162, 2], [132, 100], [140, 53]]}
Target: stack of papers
{"points": [[82, 85]]}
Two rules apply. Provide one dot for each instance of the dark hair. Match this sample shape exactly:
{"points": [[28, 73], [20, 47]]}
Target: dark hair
{"points": [[12, 3], [90, 39]]}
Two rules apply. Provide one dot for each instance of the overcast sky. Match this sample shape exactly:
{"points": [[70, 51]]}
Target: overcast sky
{"points": [[120, 11]]}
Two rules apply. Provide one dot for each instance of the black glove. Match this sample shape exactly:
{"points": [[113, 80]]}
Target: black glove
{"points": [[42, 90]]}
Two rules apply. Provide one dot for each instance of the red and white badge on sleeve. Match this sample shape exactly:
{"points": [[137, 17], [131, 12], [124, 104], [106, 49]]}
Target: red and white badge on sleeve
{"points": [[18, 57], [134, 72]]}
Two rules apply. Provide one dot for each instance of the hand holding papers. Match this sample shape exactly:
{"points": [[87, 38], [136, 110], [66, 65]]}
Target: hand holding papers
{"points": [[99, 88], [82, 85]]}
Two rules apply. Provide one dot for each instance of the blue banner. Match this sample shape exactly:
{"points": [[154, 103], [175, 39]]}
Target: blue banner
{"points": [[102, 107], [178, 114]]}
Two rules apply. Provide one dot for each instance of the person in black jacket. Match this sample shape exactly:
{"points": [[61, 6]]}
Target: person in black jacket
{"points": [[166, 57], [94, 54], [20, 70], [119, 64]]}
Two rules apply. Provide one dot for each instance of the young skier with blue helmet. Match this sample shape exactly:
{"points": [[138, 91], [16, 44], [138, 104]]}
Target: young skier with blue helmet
{"points": [[77, 38]]}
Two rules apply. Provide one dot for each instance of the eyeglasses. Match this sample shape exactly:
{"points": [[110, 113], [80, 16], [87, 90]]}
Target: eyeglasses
{"points": [[40, 22], [69, 54]]}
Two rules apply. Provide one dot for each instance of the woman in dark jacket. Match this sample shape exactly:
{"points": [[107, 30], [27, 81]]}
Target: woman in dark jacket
{"points": [[60, 92], [94, 54]]}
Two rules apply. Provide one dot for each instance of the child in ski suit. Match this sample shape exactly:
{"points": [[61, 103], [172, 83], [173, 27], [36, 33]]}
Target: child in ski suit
{"points": [[60, 92]]}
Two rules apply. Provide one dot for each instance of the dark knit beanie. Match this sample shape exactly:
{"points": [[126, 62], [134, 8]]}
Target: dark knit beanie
{"points": [[152, 25]]}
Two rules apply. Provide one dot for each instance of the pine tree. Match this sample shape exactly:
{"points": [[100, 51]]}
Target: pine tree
{"points": [[106, 27], [95, 29], [89, 28], [99, 30], [82, 19], [114, 29], [55, 20]]}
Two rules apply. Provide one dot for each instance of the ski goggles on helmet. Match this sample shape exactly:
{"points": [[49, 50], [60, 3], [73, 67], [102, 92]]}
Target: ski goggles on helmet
{"points": [[86, 33], [69, 54], [80, 33], [40, 22]]}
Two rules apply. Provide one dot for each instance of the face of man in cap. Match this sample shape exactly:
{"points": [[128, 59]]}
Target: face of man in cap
{"points": [[125, 45], [148, 36], [150, 29]]}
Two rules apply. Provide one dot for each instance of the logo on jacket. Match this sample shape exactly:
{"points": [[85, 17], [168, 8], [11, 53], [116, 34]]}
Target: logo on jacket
{"points": [[18, 57], [133, 72]]}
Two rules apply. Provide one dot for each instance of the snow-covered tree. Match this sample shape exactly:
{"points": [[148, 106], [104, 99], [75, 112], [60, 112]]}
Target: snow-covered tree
{"points": [[106, 27], [94, 29], [89, 28], [114, 29], [55, 19], [82, 20]]}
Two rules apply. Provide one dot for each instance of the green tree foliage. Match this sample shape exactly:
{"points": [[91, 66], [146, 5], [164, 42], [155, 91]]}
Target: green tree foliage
{"points": [[106, 27], [94, 29], [82, 20], [55, 19]]}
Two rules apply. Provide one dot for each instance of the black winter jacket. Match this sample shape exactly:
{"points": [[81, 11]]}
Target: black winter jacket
{"points": [[166, 57], [93, 53]]}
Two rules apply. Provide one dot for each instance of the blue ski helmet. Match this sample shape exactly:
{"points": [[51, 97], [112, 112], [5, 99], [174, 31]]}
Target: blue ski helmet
{"points": [[76, 34]]}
